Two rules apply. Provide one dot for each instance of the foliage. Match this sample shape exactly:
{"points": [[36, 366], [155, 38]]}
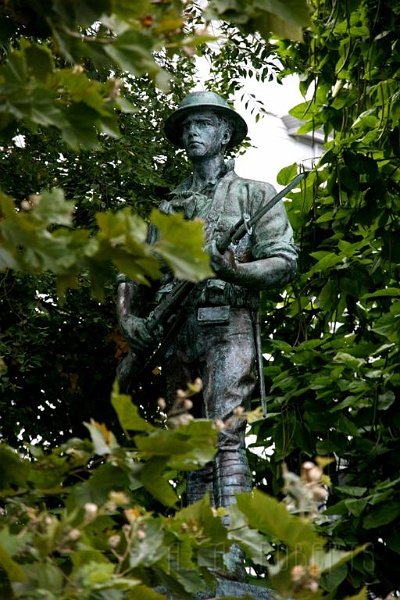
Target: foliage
{"points": [[75, 522], [332, 336], [285, 19], [59, 360], [334, 340]]}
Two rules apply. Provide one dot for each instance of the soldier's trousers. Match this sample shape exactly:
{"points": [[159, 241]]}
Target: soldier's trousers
{"points": [[223, 355]]}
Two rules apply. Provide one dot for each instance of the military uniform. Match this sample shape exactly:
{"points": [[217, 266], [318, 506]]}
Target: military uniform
{"points": [[216, 341]]}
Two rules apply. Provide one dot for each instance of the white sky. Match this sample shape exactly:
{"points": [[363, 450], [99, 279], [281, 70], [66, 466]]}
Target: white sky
{"points": [[273, 147]]}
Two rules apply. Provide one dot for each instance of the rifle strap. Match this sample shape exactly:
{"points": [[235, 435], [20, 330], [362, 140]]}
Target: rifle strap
{"points": [[259, 358]]}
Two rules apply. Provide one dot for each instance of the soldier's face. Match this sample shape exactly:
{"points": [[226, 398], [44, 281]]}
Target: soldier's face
{"points": [[204, 135]]}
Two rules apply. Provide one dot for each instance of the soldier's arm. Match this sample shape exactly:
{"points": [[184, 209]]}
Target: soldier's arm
{"points": [[265, 273], [132, 309]]}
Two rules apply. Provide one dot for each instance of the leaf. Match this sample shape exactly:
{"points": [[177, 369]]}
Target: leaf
{"points": [[150, 548], [128, 413], [382, 515], [255, 544], [362, 595], [14, 471], [284, 19], [151, 476], [9, 545], [388, 326], [271, 517], [52, 208], [43, 577], [356, 507], [95, 575], [79, 130], [186, 447], [132, 52], [104, 441], [200, 513], [181, 246], [330, 581], [39, 60], [333, 559], [83, 557], [127, 9], [105, 479], [142, 592], [386, 400], [325, 262], [391, 292], [287, 174]]}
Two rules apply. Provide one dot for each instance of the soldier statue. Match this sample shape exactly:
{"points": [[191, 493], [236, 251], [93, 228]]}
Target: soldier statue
{"points": [[217, 338]]}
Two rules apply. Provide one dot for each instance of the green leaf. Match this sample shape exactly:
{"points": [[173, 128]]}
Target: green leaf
{"points": [[386, 400], [105, 479], [142, 592], [151, 475], [356, 507], [14, 471], [287, 174], [391, 292], [388, 326], [330, 581], [122, 236], [9, 546], [284, 19], [201, 514], [126, 9], [271, 517], [128, 413], [104, 441], [255, 544], [326, 260], [382, 515], [79, 130], [83, 557], [334, 558], [53, 209], [41, 578], [150, 548], [95, 575], [132, 51], [181, 246], [39, 60], [362, 595], [186, 448]]}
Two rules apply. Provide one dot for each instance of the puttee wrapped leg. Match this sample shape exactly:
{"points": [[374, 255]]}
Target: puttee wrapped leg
{"points": [[232, 476], [199, 483]]}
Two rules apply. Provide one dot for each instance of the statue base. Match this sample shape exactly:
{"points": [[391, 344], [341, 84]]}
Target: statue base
{"points": [[226, 588]]}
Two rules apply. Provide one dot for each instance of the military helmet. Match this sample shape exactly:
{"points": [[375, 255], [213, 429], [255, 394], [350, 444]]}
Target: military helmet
{"points": [[197, 101]]}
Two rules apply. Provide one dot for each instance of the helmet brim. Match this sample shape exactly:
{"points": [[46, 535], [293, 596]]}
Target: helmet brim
{"points": [[173, 123]]}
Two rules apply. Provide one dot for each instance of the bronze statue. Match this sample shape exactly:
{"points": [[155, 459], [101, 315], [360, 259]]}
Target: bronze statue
{"points": [[217, 337]]}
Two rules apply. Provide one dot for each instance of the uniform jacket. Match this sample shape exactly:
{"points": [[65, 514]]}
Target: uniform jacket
{"points": [[221, 205]]}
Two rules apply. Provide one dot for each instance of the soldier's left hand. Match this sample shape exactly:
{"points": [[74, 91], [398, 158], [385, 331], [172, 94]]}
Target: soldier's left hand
{"points": [[224, 265]]}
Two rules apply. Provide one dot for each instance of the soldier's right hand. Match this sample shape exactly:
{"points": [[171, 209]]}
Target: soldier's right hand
{"points": [[137, 333]]}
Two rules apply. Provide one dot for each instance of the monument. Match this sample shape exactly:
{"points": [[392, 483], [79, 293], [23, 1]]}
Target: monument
{"points": [[218, 338]]}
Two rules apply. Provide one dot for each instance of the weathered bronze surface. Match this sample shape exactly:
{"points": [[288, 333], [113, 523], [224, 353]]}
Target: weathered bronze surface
{"points": [[232, 589], [216, 340]]}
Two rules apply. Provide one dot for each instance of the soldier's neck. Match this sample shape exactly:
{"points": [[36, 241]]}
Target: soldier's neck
{"points": [[207, 170]]}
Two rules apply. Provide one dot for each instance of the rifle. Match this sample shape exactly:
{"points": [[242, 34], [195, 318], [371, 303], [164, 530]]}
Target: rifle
{"points": [[170, 312]]}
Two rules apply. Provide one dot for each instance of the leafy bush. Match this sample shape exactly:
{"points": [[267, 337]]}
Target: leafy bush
{"points": [[76, 521]]}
